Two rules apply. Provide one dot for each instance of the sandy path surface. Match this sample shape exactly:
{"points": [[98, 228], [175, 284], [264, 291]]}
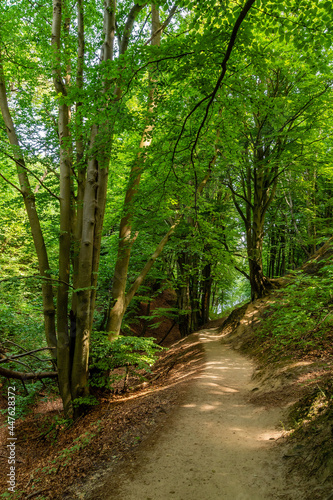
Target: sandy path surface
{"points": [[218, 446]]}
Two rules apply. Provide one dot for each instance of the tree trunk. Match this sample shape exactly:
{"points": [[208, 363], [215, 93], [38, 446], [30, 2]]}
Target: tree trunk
{"points": [[119, 309], [90, 219], [195, 317], [259, 283], [183, 295], [79, 376], [118, 302], [206, 293], [30, 206], [63, 352]]}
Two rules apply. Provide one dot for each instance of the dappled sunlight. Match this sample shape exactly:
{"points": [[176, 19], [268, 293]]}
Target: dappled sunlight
{"points": [[223, 367], [209, 407], [212, 384], [224, 419], [271, 435], [216, 421], [44, 407], [221, 444], [206, 339], [216, 425], [222, 389]]}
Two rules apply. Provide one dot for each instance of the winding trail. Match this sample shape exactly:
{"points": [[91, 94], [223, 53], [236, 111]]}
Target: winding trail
{"points": [[217, 445]]}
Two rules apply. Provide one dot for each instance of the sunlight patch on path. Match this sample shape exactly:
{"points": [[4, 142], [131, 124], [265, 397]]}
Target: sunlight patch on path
{"points": [[217, 445]]}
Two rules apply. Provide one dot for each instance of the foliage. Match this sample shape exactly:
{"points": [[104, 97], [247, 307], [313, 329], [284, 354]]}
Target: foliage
{"points": [[270, 117], [159, 314], [300, 321], [134, 353]]}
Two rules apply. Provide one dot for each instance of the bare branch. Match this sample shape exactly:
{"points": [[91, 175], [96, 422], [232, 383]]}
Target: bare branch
{"points": [[164, 25], [20, 164], [46, 278], [242, 272], [27, 353], [11, 184], [231, 44], [26, 376], [212, 95]]}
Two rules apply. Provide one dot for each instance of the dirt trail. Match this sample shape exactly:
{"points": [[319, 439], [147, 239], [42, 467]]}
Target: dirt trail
{"points": [[217, 445]]}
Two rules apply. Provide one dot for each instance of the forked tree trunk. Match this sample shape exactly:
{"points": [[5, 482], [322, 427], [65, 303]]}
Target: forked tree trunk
{"points": [[260, 285], [124, 303]]}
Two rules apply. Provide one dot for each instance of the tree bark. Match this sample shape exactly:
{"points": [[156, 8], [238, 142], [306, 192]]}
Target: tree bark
{"points": [[30, 206], [5, 372], [79, 377], [207, 282], [93, 208], [63, 346], [118, 302], [183, 295], [117, 312]]}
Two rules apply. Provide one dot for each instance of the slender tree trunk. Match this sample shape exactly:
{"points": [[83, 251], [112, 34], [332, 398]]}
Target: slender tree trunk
{"points": [[63, 354], [63, 351], [91, 222], [195, 317], [30, 206], [206, 293], [126, 299], [283, 253], [79, 378], [183, 295], [81, 167], [259, 283], [126, 239]]}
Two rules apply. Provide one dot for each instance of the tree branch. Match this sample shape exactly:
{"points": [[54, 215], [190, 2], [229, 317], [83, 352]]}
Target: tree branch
{"points": [[26, 376], [164, 25], [211, 96], [11, 184], [36, 276], [22, 165], [129, 26], [242, 272], [8, 359]]}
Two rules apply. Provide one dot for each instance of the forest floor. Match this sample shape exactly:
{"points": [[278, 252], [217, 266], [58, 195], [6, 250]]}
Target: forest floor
{"points": [[225, 439], [209, 423], [217, 444]]}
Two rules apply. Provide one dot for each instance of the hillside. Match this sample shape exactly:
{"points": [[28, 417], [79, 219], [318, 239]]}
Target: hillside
{"points": [[288, 334]]}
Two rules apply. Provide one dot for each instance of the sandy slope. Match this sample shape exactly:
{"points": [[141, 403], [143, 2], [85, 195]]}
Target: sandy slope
{"points": [[217, 445]]}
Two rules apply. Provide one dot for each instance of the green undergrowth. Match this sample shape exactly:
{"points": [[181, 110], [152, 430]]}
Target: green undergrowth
{"points": [[299, 321], [296, 325], [136, 354]]}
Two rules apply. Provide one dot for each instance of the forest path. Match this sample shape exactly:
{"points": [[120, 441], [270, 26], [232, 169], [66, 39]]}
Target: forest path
{"points": [[216, 446]]}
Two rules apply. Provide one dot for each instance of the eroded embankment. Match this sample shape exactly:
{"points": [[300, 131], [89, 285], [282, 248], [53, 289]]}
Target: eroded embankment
{"points": [[216, 444]]}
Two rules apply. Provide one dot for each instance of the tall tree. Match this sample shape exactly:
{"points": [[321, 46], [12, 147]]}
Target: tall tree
{"points": [[280, 111]]}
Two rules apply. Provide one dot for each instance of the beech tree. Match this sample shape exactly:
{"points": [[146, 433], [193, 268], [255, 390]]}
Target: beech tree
{"points": [[275, 124], [85, 140], [95, 74], [82, 140]]}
